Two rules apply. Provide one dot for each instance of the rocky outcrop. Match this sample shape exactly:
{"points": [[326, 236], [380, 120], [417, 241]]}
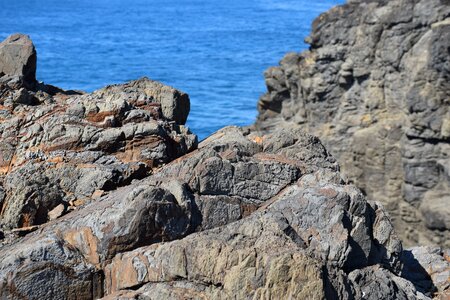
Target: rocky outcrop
{"points": [[108, 195], [375, 87], [307, 235], [61, 149]]}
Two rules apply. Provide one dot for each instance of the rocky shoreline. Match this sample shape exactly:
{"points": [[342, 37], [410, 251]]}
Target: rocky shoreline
{"points": [[375, 87], [108, 195]]}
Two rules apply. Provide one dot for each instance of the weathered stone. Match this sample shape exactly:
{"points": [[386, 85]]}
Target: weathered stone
{"points": [[374, 87], [435, 209], [34, 271], [254, 258], [374, 283], [299, 240], [428, 269], [59, 147], [18, 57], [57, 212], [100, 198]]}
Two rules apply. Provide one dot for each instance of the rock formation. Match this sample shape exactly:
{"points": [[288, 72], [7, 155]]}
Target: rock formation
{"points": [[375, 88], [107, 195], [264, 217], [61, 149]]}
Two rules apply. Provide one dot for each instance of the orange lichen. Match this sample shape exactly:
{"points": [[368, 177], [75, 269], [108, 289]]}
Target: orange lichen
{"points": [[86, 242], [258, 139]]}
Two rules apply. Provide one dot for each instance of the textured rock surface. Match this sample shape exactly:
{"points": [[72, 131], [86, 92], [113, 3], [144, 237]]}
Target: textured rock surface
{"points": [[375, 87], [18, 58], [428, 268], [61, 149], [108, 195], [182, 232]]}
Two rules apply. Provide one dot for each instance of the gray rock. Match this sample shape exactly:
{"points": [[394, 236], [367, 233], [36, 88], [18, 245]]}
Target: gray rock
{"points": [[166, 235], [374, 283], [106, 195], [374, 87], [428, 268], [435, 209], [68, 148], [18, 57]]}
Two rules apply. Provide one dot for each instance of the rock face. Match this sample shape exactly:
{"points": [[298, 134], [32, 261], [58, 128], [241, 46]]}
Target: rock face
{"points": [[375, 87], [107, 195], [424, 263]]}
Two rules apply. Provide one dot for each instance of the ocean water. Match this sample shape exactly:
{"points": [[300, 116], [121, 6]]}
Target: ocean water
{"points": [[215, 50]]}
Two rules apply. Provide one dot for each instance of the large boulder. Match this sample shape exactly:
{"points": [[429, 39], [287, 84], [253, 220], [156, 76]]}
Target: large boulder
{"points": [[70, 149], [375, 87], [18, 58]]}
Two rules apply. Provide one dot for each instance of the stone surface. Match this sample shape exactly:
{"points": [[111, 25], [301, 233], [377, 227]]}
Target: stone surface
{"points": [[428, 268], [65, 148], [18, 58], [182, 232], [107, 195], [375, 88]]}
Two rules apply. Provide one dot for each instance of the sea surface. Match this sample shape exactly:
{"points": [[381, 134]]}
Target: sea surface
{"points": [[216, 51]]}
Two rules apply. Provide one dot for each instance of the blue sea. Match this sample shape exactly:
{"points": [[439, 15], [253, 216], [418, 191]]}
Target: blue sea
{"points": [[216, 51]]}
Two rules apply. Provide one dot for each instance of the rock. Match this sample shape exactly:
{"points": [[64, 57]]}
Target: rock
{"points": [[374, 87], [172, 104], [374, 283], [18, 58], [241, 261], [60, 147], [107, 195], [57, 212], [24, 97], [435, 210], [181, 231], [427, 268], [65, 155]]}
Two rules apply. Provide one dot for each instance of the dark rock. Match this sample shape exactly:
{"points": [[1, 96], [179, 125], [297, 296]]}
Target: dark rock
{"points": [[374, 283], [374, 87]]}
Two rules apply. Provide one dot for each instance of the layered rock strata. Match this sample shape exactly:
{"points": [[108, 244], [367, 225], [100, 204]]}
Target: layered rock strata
{"points": [[265, 217], [108, 195], [375, 87], [60, 149]]}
